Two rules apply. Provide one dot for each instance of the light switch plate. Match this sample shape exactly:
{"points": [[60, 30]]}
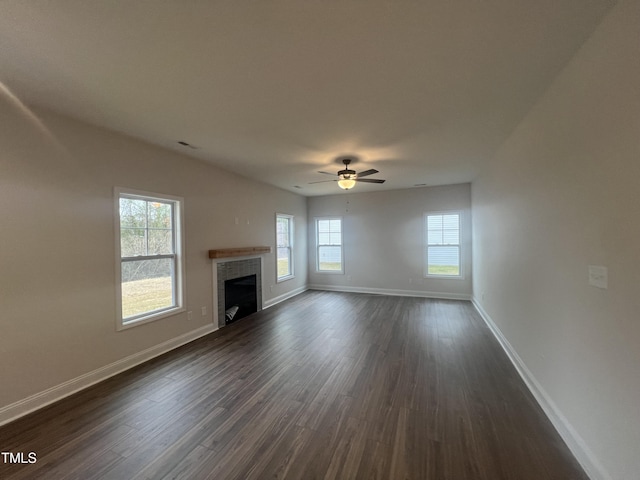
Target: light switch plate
{"points": [[598, 276]]}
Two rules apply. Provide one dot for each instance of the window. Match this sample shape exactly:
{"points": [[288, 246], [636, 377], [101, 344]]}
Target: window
{"points": [[443, 244], [149, 230], [329, 256], [284, 247]]}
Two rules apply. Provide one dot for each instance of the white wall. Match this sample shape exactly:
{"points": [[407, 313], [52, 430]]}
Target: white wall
{"points": [[57, 262], [561, 194], [383, 240]]}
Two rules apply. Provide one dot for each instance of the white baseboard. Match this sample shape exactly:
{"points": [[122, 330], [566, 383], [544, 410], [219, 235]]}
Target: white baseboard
{"points": [[574, 441], [35, 402], [393, 292], [285, 296]]}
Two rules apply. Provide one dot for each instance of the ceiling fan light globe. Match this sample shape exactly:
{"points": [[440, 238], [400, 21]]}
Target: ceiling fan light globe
{"points": [[346, 183]]}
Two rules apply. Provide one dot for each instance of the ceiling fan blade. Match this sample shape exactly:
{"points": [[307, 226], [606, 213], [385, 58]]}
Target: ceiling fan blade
{"points": [[322, 181], [327, 173], [367, 172], [369, 180]]}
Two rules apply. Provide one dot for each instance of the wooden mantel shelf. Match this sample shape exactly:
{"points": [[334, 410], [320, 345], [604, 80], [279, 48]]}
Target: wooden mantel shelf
{"points": [[238, 252]]}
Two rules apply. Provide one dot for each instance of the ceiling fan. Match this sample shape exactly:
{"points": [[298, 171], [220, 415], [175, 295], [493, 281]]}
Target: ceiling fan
{"points": [[347, 178]]}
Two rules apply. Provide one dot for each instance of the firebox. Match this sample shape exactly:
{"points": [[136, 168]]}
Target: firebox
{"points": [[240, 298]]}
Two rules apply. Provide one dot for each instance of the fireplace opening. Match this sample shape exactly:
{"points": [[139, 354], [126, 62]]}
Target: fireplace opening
{"points": [[240, 298]]}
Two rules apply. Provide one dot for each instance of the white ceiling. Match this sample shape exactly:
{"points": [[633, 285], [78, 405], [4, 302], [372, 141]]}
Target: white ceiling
{"points": [[423, 91]]}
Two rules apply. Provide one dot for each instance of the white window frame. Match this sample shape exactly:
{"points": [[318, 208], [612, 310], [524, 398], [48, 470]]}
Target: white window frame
{"points": [[426, 244], [178, 256], [318, 245], [290, 246]]}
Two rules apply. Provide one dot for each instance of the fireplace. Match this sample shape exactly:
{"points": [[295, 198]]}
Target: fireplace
{"points": [[240, 298], [234, 274]]}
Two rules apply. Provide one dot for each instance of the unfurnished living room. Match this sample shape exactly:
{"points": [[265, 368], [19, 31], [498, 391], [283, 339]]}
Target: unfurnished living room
{"points": [[352, 239]]}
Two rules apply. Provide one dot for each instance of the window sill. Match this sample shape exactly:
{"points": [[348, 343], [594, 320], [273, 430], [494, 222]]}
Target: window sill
{"points": [[122, 325], [445, 277], [284, 279]]}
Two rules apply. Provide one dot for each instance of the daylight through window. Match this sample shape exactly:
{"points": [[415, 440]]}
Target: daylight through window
{"points": [[150, 256], [329, 245], [284, 240], [443, 244]]}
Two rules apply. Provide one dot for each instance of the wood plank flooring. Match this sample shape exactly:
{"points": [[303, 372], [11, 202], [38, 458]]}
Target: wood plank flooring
{"points": [[323, 386]]}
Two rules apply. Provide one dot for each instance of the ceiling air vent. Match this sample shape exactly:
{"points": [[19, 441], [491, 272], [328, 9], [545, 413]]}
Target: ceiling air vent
{"points": [[188, 145]]}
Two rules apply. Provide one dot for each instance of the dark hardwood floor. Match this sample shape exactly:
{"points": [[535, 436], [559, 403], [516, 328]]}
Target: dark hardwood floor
{"points": [[325, 385]]}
